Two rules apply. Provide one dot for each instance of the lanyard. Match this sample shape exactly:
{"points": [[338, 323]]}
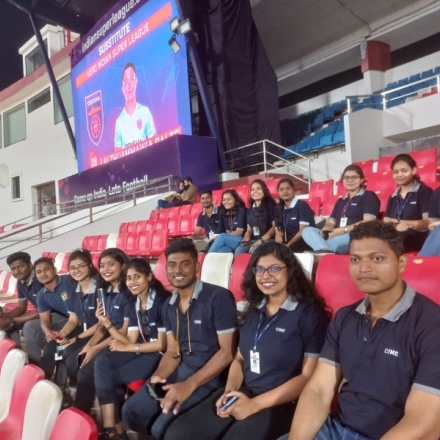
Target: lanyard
{"points": [[286, 222], [347, 204], [401, 205], [112, 303], [259, 334], [178, 350], [84, 305], [141, 327]]}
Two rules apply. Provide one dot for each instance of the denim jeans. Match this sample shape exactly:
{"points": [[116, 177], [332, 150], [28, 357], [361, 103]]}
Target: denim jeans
{"points": [[431, 247], [225, 243], [333, 430], [339, 244]]}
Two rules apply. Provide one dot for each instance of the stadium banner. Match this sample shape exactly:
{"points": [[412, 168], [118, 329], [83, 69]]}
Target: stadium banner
{"points": [[130, 90], [178, 156]]}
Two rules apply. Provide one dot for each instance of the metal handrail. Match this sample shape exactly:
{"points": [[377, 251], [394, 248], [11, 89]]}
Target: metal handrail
{"points": [[142, 191]]}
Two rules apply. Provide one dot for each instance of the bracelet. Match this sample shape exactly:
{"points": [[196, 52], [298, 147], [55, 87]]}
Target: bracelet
{"points": [[109, 327], [136, 348]]}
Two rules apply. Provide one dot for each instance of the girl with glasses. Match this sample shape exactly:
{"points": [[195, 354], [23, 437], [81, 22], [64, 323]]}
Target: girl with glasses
{"points": [[137, 355], [281, 337], [408, 207], [357, 206]]}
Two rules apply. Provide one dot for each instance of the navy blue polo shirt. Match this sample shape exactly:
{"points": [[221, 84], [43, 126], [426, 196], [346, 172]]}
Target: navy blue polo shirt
{"points": [[382, 364], [434, 205], [118, 304], [270, 219], [29, 291], [56, 301], [153, 314], [84, 305], [298, 331], [363, 203], [212, 312], [413, 206], [213, 223], [236, 221], [298, 213]]}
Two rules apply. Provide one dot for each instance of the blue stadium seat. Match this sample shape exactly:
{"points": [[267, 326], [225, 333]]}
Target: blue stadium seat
{"points": [[413, 78], [330, 130], [402, 82], [437, 71], [339, 137], [325, 141], [427, 73]]}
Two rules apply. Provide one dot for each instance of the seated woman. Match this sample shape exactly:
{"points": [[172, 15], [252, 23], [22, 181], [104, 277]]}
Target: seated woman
{"points": [[357, 206], [408, 206], [118, 306], [260, 218], [233, 212], [137, 355], [281, 338], [431, 247], [292, 215]]}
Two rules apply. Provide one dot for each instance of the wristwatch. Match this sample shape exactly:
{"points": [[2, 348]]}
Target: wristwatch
{"points": [[346, 230], [136, 348], [11, 323]]}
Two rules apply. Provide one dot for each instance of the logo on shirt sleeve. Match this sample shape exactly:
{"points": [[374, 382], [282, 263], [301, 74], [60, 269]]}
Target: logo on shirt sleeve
{"points": [[64, 296]]}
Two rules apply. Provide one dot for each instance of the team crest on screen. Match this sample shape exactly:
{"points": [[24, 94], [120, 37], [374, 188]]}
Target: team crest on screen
{"points": [[95, 116]]}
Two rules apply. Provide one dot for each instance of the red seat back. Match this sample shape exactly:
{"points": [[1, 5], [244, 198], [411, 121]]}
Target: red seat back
{"points": [[216, 197], [131, 228], [427, 173], [101, 244], [154, 215], [161, 224], [161, 272], [159, 243], [328, 204], [272, 185], [238, 268], [383, 196], [134, 386], [95, 259], [121, 242], [173, 226], [197, 209], [150, 225], [340, 190], [132, 244], [174, 212], [384, 164], [73, 424], [144, 243], [425, 157], [6, 345], [423, 274], [123, 228], [185, 210], [163, 214], [367, 167], [141, 226], [315, 204], [6, 280], [244, 192], [200, 258], [321, 189], [91, 243], [187, 225], [65, 263], [381, 181]]}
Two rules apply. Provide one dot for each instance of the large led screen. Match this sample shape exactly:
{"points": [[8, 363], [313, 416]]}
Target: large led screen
{"points": [[130, 90]]}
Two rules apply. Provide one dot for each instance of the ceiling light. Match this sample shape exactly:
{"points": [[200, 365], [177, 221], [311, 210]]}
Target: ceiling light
{"points": [[175, 46], [174, 24], [184, 27]]}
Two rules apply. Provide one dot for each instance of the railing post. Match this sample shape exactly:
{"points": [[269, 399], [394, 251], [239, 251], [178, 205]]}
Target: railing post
{"points": [[134, 197], [40, 233], [384, 101], [264, 158], [348, 105], [90, 213], [169, 183]]}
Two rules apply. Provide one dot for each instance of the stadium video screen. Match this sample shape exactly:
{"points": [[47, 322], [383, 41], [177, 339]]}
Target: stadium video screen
{"points": [[130, 90]]}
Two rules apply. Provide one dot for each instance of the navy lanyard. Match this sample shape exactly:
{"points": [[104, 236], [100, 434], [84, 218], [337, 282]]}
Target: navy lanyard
{"points": [[231, 223], [401, 205], [84, 305], [286, 222], [259, 334], [347, 205], [112, 303]]}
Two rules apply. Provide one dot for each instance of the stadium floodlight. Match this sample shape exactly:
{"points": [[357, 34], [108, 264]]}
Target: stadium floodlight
{"points": [[174, 24], [184, 27], [175, 46]]}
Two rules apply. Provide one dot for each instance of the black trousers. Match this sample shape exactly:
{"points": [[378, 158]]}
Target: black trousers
{"points": [[70, 359], [413, 240], [202, 423]]}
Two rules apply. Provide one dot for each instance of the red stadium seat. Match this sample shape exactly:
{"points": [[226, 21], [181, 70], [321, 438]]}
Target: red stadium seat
{"points": [[200, 258], [272, 185], [381, 181], [315, 204], [11, 428], [238, 268], [90, 243], [101, 244], [340, 190], [11, 306], [161, 272], [154, 214], [65, 264], [132, 244], [161, 224], [5, 286], [121, 242], [244, 192], [216, 197], [187, 225], [159, 243], [95, 259], [47, 254], [185, 210], [73, 424], [150, 225], [427, 173], [6, 345], [131, 228], [134, 386], [384, 195], [321, 189], [123, 228], [367, 167], [328, 204], [423, 274], [163, 214], [174, 212], [425, 157], [197, 209], [141, 226], [174, 226], [384, 164], [144, 243]]}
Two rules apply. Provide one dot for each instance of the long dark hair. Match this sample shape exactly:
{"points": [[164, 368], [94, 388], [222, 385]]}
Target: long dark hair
{"points": [[408, 160], [142, 266], [118, 255], [298, 286], [238, 203], [86, 256], [261, 213], [279, 209]]}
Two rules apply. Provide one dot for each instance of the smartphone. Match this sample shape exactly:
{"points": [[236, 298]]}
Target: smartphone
{"points": [[100, 293], [80, 359], [229, 403], [156, 390], [56, 336], [325, 234]]}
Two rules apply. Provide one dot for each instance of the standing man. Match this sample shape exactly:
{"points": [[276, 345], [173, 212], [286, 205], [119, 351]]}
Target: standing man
{"points": [[52, 308], [209, 220], [27, 287], [188, 197], [201, 325], [135, 123], [386, 348]]}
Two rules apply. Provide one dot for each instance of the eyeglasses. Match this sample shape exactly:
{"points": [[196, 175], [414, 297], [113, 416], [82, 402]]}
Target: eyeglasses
{"points": [[79, 267], [273, 271], [146, 323], [348, 178]]}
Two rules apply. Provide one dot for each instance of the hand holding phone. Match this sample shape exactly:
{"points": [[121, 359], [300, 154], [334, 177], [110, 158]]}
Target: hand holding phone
{"points": [[156, 390], [80, 359], [100, 295], [228, 403], [56, 336]]}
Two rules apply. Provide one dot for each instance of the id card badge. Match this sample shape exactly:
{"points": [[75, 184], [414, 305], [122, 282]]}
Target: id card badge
{"points": [[59, 352], [255, 362], [256, 231], [212, 235], [343, 222], [84, 327]]}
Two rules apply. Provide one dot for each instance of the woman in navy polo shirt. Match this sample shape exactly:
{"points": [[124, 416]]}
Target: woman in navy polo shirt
{"points": [[260, 218], [81, 307], [118, 306], [281, 338], [292, 215], [431, 247], [408, 206], [233, 212], [137, 355], [358, 205]]}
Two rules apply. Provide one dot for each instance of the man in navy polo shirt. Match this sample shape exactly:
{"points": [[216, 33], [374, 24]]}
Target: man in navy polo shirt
{"points": [[52, 306], [28, 287], [201, 324], [209, 219], [384, 351], [431, 247]]}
